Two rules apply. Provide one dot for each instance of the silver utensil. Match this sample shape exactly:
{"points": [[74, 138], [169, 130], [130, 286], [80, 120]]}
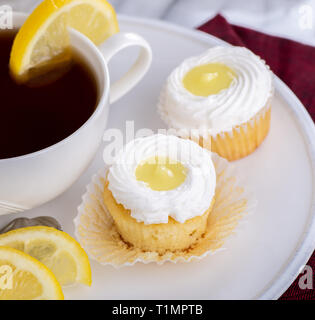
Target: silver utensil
{"points": [[26, 222]]}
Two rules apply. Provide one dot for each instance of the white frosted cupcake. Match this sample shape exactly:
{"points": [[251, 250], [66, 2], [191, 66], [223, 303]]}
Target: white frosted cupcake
{"points": [[160, 192], [222, 97]]}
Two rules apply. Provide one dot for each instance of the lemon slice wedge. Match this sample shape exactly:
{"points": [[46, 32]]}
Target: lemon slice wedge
{"points": [[43, 40], [57, 250], [24, 278]]}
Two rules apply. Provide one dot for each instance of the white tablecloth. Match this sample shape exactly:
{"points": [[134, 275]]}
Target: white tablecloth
{"points": [[294, 19]]}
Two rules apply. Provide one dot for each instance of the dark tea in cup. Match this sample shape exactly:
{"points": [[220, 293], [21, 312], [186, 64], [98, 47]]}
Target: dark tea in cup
{"points": [[34, 117]]}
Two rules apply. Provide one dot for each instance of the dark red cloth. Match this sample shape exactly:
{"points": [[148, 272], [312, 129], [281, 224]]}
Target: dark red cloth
{"points": [[292, 62]]}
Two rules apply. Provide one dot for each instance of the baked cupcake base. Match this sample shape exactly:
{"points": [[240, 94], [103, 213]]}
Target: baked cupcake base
{"points": [[160, 237], [96, 230]]}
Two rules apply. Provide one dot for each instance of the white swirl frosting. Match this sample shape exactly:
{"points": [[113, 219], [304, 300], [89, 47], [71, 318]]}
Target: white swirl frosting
{"points": [[192, 198], [248, 93]]}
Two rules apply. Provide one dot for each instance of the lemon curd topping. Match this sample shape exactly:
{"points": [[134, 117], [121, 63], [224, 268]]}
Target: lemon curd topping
{"points": [[208, 79], [161, 173]]}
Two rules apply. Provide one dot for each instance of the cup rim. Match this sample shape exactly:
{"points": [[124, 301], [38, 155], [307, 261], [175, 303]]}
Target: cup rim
{"points": [[103, 94]]}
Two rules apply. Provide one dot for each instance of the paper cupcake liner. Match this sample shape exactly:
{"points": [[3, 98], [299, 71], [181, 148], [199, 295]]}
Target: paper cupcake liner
{"points": [[96, 231], [238, 142], [244, 139]]}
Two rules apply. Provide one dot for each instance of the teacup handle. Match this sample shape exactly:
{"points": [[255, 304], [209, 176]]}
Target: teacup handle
{"points": [[121, 41]]}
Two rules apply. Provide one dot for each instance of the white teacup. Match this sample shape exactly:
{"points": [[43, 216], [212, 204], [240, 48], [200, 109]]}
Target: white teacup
{"points": [[33, 179]]}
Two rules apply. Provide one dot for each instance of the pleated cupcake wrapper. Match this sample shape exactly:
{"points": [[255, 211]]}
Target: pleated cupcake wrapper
{"points": [[96, 231], [205, 135]]}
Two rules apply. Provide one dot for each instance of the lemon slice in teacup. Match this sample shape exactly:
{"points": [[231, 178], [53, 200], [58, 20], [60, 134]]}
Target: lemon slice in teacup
{"points": [[57, 250], [43, 40], [25, 278]]}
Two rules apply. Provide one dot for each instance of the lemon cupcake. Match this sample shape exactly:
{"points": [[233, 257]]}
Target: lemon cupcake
{"points": [[160, 192], [222, 99]]}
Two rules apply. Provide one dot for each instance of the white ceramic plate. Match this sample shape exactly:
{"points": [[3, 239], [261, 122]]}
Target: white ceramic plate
{"points": [[265, 256]]}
